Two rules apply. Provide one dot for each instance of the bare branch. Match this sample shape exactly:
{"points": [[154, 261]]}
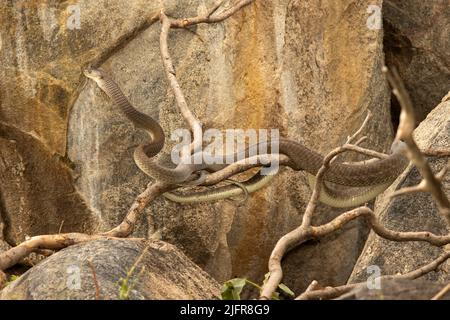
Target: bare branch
{"points": [[169, 69], [14, 255], [304, 231], [94, 276], [334, 292], [137, 208], [368, 152], [442, 293], [244, 165], [314, 285], [210, 17], [408, 190], [405, 133], [378, 228], [361, 128]]}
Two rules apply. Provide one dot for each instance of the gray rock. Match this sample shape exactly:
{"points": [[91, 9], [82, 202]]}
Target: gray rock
{"points": [[413, 212], [286, 77], [417, 42], [163, 272], [310, 69]]}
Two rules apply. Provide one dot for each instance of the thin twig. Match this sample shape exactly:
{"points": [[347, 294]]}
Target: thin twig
{"points": [[442, 293], [61, 226], [210, 18], [125, 228], [94, 276], [405, 133], [334, 292], [304, 232]]}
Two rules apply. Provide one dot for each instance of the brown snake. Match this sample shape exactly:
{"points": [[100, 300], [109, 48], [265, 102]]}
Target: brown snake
{"points": [[373, 177]]}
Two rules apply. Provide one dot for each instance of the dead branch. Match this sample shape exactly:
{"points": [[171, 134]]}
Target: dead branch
{"points": [[124, 229], [169, 69], [137, 208], [244, 165], [442, 293], [378, 228], [94, 277], [405, 132], [334, 292], [14, 255], [210, 17], [304, 232]]}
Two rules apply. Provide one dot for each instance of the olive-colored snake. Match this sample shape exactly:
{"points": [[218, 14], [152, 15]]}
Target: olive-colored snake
{"points": [[371, 178]]}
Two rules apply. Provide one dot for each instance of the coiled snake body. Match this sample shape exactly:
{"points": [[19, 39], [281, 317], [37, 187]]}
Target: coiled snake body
{"points": [[371, 178]]}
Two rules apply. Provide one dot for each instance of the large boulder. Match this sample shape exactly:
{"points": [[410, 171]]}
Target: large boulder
{"points": [[311, 69], [161, 271], [36, 191], [290, 75], [417, 42], [412, 212]]}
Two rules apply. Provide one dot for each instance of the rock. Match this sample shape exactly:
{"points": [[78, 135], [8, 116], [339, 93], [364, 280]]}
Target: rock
{"points": [[277, 80], [413, 212], [311, 69], [417, 42], [37, 196], [163, 272], [398, 289]]}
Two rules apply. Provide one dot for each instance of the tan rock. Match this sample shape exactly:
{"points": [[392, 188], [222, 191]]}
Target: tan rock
{"points": [[311, 69]]}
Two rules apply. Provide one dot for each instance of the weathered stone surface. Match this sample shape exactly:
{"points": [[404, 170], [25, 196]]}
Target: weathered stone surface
{"points": [[398, 289], [413, 212], [163, 272], [417, 42], [273, 65], [311, 69], [37, 196]]}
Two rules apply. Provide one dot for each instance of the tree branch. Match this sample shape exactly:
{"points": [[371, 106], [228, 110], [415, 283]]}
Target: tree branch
{"points": [[210, 17], [137, 208], [334, 292], [405, 132]]}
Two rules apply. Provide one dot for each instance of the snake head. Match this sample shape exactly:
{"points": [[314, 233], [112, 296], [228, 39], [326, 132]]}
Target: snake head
{"points": [[94, 74]]}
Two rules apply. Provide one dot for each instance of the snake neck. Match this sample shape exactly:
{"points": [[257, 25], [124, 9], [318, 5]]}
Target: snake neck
{"points": [[139, 119]]}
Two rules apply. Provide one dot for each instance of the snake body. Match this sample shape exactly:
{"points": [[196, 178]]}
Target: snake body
{"points": [[371, 178], [145, 152]]}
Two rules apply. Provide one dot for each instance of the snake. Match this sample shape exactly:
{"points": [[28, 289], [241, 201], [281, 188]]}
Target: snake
{"points": [[145, 152], [369, 178], [354, 183]]}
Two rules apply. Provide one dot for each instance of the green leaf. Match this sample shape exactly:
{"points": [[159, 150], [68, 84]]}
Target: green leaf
{"points": [[231, 289], [266, 277], [286, 290]]}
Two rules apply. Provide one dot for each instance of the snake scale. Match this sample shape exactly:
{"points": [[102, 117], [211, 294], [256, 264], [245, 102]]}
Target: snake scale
{"points": [[371, 178]]}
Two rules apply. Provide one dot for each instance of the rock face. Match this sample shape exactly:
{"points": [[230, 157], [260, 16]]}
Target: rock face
{"points": [[311, 69], [36, 190], [398, 289], [286, 76], [414, 212], [417, 42], [162, 272]]}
